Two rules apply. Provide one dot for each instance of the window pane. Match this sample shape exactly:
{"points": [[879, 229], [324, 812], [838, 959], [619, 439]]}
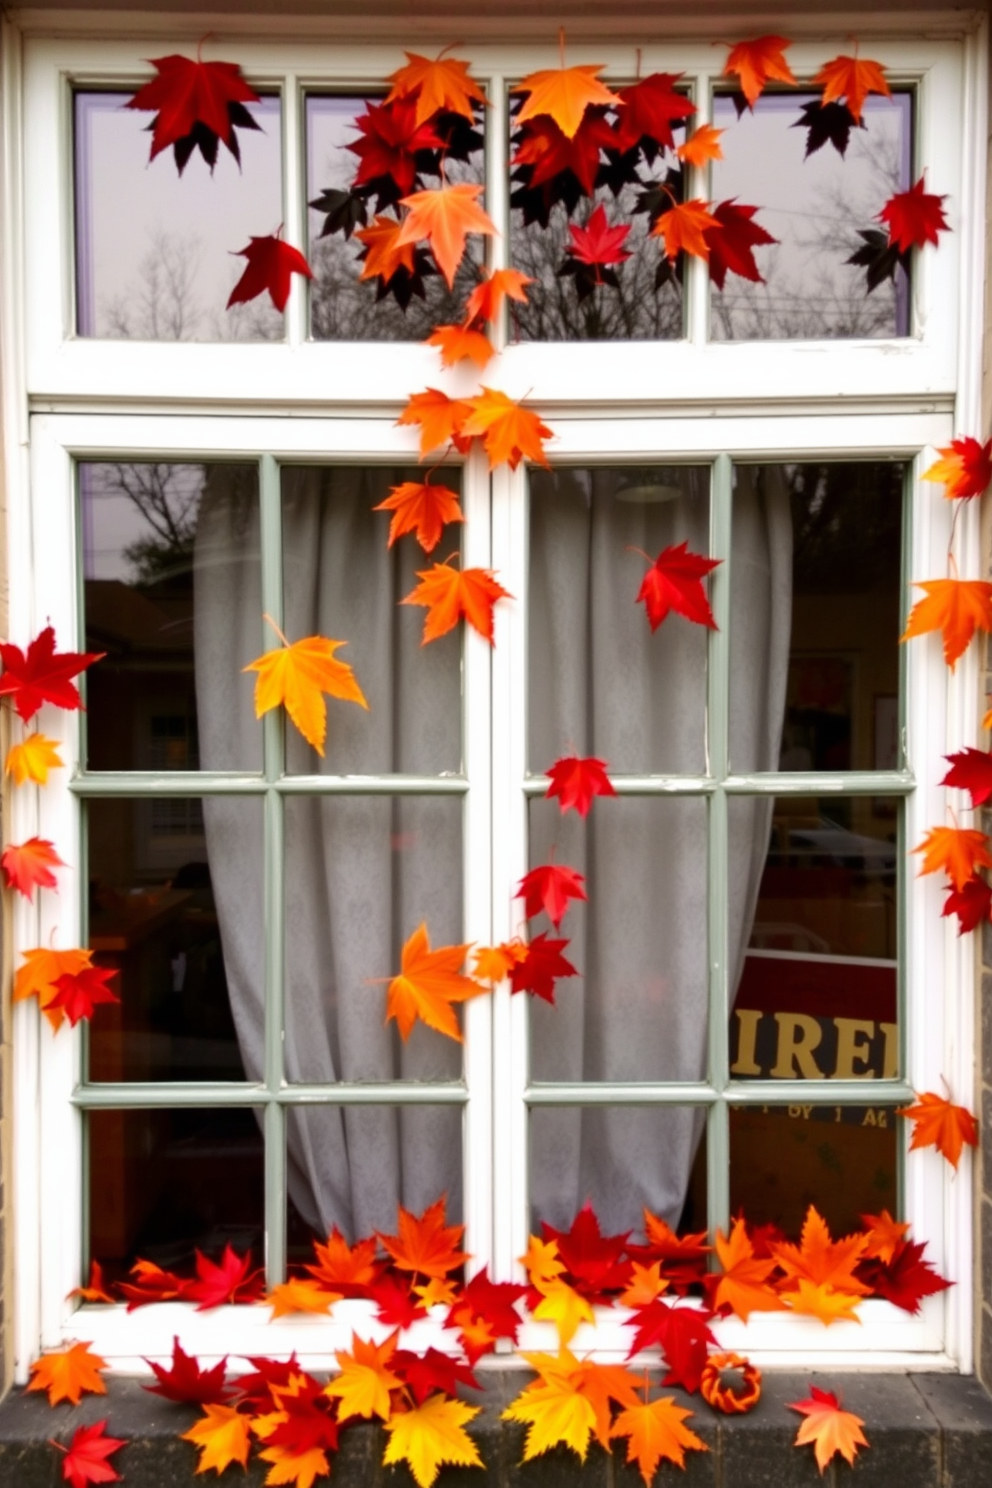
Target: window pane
{"points": [[622, 1161], [163, 1184], [172, 596], [816, 208], [637, 1010], [161, 914], [599, 681], [815, 616], [362, 872], [840, 1158], [342, 581], [153, 248], [343, 307], [352, 1166]]}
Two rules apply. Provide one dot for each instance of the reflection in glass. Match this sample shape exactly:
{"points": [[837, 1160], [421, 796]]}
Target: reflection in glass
{"points": [[840, 1158], [599, 681], [341, 580], [163, 1184], [835, 536], [162, 545], [815, 208], [156, 253], [154, 918]]}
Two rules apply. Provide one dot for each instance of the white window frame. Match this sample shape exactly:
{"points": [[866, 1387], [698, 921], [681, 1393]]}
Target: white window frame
{"points": [[607, 402]]}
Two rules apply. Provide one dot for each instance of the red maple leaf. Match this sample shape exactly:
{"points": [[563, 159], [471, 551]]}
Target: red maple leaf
{"points": [[188, 1384], [431, 1371], [28, 865], [390, 140], [906, 1279], [493, 1301], [965, 467], [972, 904], [673, 582], [683, 1257], [598, 243], [42, 675], [650, 109], [255, 1390], [550, 887], [913, 217], [575, 781], [271, 262], [309, 1425], [683, 1334], [85, 1460], [971, 770], [230, 1281], [537, 971], [196, 104], [81, 991], [732, 241], [396, 1305], [592, 1259], [549, 152]]}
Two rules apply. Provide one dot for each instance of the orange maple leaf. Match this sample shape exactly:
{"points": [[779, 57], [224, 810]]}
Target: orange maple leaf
{"points": [[429, 983], [66, 1374], [29, 865], [95, 1289], [39, 974], [449, 593], [509, 431], [223, 1437], [385, 255], [683, 228], [957, 608], [938, 1123], [456, 343], [441, 83], [440, 419], [754, 62], [702, 146], [965, 468], [300, 1295], [365, 1380], [654, 1430], [444, 217], [494, 963], [744, 1286], [298, 675], [421, 507], [958, 851], [426, 1245], [828, 1428], [884, 1236], [851, 78], [646, 1283], [819, 1300], [32, 759], [486, 298], [564, 94], [342, 1265], [821, 1260]]}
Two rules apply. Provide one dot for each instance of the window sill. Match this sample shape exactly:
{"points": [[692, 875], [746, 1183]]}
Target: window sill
{"points": [[925, 1430]]}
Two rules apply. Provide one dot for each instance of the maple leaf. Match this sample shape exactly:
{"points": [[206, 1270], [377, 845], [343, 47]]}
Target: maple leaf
{"points": [[432, 1371], [438, 1292], [576, 781], [256, 1388], [460, 343], [29, 866], [541, 1261], [958, 851], [344, 1268], [392, 136], [819, 1300], [537, 971], [682, 1257], [673, 582], [79, 992], [443, 217], [878, 257], [905, 1279], [650, 108], [232, 1280], [743, 1285], [972, 904], [440, 418], [449, 593], [825, 122], [597, 244], [493, 963], [683, 227], [297, 676], [344, 211], [702, 146], [299, 1433], [486, 298], [426, 1245], [828, 1428], [223, 1437], [150, 1284], [439, 85], [645, 1285], [562, 1305], [655, 1430], [365, 1380], [68, 1373], [914, 218], [851, 78], [492, 1303], [384, 256], [184, 1381], [299, 1295], [396, 1305], [32, 759], [94, 1290], [550, 888], [271, 263], [429, 983], [421, 507], [591, 1258], [819, 1259], [554, 1408], [884, 1236], [957, 608], [732, 240], [564, 94], [971, 770], [754, 62], [509, 431], [965, 467], [430, 1435], [938, 1123], [196, 104], [85, 1461], [42, 674], [683, 1334], [544, 155]]}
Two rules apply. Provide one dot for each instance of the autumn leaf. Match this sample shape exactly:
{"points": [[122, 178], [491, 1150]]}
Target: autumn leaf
{"points": [[428, 985], [820, 1259], [683, 1258], [819, 1300], [593, 1260], [196, 104], [94, 1290], [439, 85], [232, 1280], [271, 263], [756, 62], [438, 1292], [86, 1461], [485, 300], [957, 608], [78, 993], [883, 1236], [851, 78], [742, 1287], [396, 1305], [826, 122], [29, 866], [965, 467], [184, 1381], [655, 1430], [450, 593], [299, 1295], [914, 218], [905, 1279], [957, 851], [421, 507], [683, 227], [443, 217], [576, 781], [543, 154], [702, 146], [384, 255], [68, 1373], [509, 431], [549, 888], [596, 247], [828, 1428], [645, 1285], [391, 136], [562, 1305], [426, 1245], [432, 1371], [684, 1335], [299, 1433], [42, 674], [491, 1302], [493, 963], [971, 770], [223, 1436], [972, 904], [732, 241], [650, 108], [344, 1268], [460, 343], [537, 971], [431, 1435], [938, 1123], [673, 582], [150, 1283], [541, 1261], [365, 1380], [441, 420], [32, 759], [564, 94], [554, 1409], [297, 675]]}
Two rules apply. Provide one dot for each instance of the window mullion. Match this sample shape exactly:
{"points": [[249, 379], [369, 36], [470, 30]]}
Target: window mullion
{"points": [[294, 205], [498, 190], [697, 182]]}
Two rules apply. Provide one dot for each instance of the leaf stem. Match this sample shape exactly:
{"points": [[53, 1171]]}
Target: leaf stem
{"points": [[275, 628]]}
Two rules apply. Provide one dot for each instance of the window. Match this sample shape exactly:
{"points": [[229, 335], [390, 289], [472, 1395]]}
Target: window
{"points": [[761, 978]]}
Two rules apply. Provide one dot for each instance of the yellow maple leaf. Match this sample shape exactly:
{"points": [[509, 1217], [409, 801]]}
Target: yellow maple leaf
{"points": [[427, 986], [562, 1305], [298, 1295], [223, 1437], [32, 759], [41, 970], [554, 1410], [67, 1373], [298, 675], [654, 1430], [438, 1292], [820, 1300], [541, 1261], [430, 1435], [365, 1381]]}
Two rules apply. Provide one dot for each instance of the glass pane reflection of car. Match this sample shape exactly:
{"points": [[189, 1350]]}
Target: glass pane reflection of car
{"points": [[830, 843]]}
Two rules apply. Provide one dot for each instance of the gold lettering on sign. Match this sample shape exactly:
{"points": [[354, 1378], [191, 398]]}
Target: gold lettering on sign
{"points": [[747, 1042], [798, 1036], [890, 1055], [852, 1048]]}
